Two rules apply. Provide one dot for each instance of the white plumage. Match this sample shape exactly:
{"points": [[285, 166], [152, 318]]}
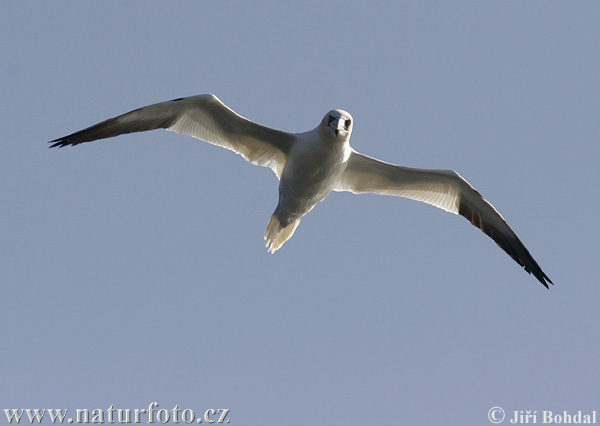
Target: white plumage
{"points": [[311, 164]]}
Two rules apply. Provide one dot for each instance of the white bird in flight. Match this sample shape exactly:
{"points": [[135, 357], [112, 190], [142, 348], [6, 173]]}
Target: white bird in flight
{"points": [[310, 165]]}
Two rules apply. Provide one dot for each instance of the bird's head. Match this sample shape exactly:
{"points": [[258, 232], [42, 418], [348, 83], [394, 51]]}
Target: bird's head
{"points": [[337, 123]]}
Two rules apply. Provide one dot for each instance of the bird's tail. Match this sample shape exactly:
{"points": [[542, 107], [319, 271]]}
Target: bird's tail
{"points": [[276, 234]]}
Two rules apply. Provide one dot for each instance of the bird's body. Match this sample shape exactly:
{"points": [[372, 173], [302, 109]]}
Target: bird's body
{"points": [[312, 164], [312, 170]]}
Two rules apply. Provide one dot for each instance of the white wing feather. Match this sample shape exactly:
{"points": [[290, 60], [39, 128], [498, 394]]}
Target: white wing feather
{"points": [[445, 189], [204, 117], [440, 188]]}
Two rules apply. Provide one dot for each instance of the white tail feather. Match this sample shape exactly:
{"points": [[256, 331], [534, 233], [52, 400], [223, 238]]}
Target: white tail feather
{"points": [[276, 235]]}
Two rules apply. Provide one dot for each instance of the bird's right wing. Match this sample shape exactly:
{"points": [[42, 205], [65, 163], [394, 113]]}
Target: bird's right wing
{"points": [[204, 117]]}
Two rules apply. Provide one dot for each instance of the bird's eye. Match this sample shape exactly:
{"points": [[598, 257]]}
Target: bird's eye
{"points": [[348, 123], [331, 119]]}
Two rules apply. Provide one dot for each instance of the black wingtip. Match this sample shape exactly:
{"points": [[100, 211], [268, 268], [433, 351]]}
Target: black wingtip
{"points": [[60, 143], [541, 277]]}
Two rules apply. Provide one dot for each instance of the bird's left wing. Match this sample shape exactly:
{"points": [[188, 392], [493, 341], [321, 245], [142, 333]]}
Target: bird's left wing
{"points": [[444, 189], [204, 117]]}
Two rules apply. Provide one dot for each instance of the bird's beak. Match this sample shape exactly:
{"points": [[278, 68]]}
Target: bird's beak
{"points": [[338, 124]]}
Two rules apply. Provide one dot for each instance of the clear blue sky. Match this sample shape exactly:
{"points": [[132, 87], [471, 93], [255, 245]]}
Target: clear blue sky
{"points": [[133, 269]]}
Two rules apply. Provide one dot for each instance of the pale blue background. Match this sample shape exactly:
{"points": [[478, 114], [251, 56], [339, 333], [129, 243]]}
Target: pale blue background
{"points": [[133, 269]]}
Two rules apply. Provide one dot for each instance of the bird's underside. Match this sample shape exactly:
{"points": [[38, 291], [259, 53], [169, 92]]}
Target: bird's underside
{"points": [[205, 117]]}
